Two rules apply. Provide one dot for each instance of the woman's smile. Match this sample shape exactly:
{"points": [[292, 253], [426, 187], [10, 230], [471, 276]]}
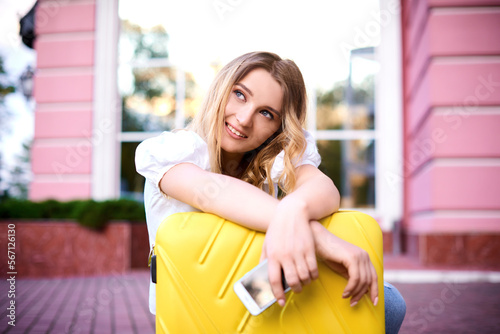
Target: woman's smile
{"points": [[232, 131]]}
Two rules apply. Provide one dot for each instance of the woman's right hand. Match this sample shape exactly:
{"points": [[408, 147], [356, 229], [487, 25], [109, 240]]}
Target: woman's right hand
{"points": [[289, 246], [348, 260]]}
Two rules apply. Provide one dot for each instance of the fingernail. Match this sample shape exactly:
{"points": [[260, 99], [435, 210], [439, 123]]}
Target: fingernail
{"points": [[281, 302], [346, 294], [353, 304], [375, 302]]}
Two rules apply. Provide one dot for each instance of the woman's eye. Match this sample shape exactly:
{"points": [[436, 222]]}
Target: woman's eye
{"points": [[239, 95], [267, 114]]}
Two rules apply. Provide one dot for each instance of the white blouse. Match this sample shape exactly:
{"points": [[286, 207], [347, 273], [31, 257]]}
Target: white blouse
{"points": [[155, 156]]}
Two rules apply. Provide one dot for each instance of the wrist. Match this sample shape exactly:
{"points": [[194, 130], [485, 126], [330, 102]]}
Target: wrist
{"points": [[318, 230], [295, 204], [320, 235]]}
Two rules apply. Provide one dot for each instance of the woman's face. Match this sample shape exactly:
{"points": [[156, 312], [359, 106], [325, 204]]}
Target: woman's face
{"points": [[253, 112]]}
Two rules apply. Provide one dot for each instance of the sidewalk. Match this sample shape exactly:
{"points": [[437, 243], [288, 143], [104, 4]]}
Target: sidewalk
{"points": [[119, 303], [451, 308], [446, 299], [102, 304]]}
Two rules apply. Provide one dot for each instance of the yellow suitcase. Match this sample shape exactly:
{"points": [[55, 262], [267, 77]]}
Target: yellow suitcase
{"points": [[200, 256]]}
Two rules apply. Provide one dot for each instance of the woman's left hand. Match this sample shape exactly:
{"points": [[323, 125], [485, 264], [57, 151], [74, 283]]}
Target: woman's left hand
{"points": [[348, 260], [289, 246]]}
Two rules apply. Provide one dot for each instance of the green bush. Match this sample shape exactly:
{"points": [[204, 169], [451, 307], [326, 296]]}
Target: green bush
{"points": [[88, 213]]}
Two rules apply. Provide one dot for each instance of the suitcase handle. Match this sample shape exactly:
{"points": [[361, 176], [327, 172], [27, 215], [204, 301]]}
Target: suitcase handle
{"points": [[153, 269]]}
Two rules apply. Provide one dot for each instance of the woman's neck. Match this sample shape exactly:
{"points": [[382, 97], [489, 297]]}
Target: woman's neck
{"points": [[231, 164]]}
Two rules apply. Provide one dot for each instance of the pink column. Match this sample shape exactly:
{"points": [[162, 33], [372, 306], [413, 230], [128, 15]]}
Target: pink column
{"points": [[451, 52], [62, 148]]}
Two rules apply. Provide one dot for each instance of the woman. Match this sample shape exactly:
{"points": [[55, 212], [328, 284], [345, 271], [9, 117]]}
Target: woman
{"points": [[245, 143]]}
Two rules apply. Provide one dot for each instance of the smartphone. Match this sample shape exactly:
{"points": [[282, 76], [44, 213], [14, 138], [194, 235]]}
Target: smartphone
{"points": [[254, 289]]}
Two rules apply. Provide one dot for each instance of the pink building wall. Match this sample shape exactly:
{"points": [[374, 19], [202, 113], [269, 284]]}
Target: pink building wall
{"points": [[64, 83], [451, 66], [451, 69]]}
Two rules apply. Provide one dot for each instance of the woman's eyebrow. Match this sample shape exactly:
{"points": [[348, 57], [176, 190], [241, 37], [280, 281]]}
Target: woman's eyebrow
{"points": [[245, 88], [251, 94]]}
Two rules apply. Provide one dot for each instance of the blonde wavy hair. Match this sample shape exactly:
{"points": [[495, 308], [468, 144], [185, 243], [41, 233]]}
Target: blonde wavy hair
{"points": [[257, 164]]}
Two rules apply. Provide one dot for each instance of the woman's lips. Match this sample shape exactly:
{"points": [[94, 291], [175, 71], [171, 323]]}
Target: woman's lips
{"points": [[234, 132]]}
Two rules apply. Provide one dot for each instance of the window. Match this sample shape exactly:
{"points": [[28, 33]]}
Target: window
{"points": [[345, 130], [155, 94], [169, 52]]}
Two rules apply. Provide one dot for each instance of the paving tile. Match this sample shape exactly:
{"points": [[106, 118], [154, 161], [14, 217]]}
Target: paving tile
{"points": [[29, 314], [25, 292], [65, 311]]}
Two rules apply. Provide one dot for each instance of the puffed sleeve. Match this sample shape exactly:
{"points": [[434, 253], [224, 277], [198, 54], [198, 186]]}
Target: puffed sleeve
{"points": [[155, 156], [310, 157]]}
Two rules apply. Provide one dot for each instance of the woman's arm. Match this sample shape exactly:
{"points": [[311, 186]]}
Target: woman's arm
{"points": [[317, 191], [219, 194], [228, 197]]}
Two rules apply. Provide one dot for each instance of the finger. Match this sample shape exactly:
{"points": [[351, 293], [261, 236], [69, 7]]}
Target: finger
{"points": [[274, 272], [304, 248], [357, 297], [362, 279], [359, 292], [310, 258], [292, 277], [367, 274], [303, 272], [361, 287], [369, 271], [352, 282], [301, 265], [312, 265]]}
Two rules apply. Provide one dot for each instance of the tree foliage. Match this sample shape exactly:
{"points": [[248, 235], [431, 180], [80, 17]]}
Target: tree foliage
{"points": [[14, 179]]}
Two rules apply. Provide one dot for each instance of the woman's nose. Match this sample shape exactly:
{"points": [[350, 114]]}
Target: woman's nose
{"points": [[244, 117]]}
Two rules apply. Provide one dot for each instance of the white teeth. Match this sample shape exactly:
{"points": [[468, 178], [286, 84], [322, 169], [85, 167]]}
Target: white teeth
{"points": [[236, 132]]}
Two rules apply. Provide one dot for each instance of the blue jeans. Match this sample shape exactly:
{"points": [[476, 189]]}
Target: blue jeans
{"points": [[395, 309]]}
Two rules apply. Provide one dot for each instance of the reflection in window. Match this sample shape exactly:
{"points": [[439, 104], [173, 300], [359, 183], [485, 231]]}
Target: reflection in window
{"points": [[351, 166], [140, 43], [150, 106], [347, 106]]}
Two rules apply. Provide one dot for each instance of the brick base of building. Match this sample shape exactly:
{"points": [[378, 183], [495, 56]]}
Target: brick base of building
{"points": [[65, 248], [467, 250]]}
